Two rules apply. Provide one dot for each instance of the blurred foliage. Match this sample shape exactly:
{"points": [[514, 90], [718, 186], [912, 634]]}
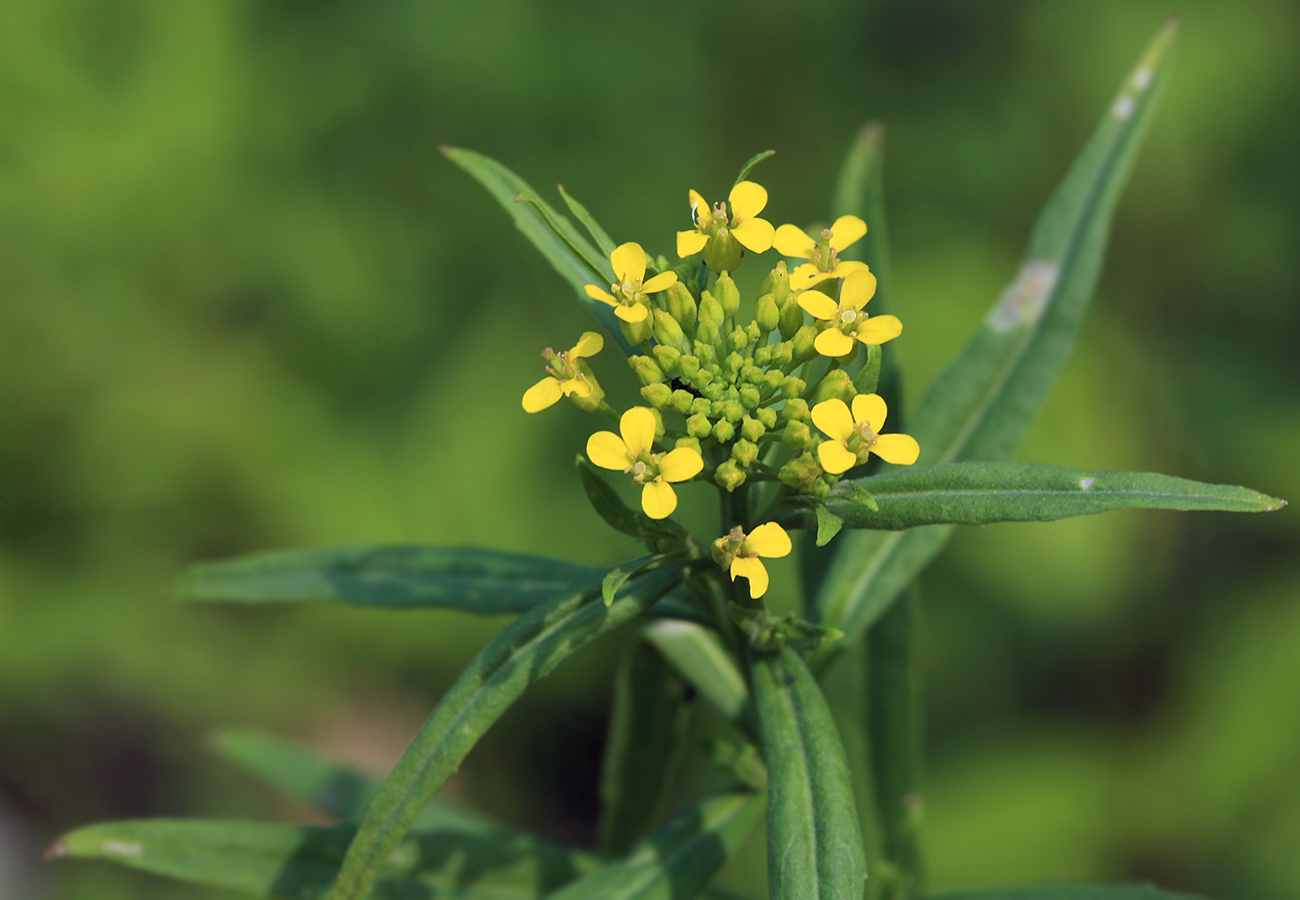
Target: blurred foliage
{"points": [[245, 304]]}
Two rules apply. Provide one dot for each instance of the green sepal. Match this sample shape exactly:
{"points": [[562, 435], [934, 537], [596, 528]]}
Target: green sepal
{"points": [[828, 524], [868, 378], [768, 633], [749, 165]]}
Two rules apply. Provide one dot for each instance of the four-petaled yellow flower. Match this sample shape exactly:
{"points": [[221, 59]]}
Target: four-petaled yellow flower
{"points": [[631, 453], [627, 294], [822, 255], [848, 321], [714, 227], [768, 540], [855, 435], [567, 374]]}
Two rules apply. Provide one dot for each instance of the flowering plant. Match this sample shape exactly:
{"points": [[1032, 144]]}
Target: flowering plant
{"points": [[777, 402]]}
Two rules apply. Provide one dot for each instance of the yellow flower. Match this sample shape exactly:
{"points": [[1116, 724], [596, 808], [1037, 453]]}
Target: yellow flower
{"points": [[567, 375], [631, 453], [627, 294], [768, 540], [822, 255], [855, 435], [848, 321], [713, 227]]}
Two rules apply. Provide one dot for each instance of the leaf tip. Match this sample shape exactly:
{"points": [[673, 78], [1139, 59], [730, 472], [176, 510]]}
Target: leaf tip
{"points": [[1274, 504]]}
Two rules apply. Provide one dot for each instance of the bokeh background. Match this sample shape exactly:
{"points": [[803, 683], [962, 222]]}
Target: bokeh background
{"points": [[245, 304]]}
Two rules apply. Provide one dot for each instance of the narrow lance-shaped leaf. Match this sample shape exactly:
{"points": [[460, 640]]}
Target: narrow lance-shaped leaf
{"points": [[814, 848], [604, 242], [699, 656], [300, 861], [470, 579], [523, 652], [982, 404], [1068, 892], [981, 493], [648, 736]]}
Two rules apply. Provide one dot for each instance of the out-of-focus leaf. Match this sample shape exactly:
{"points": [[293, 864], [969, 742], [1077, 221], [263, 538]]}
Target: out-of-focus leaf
{"points": [[982, 404], [523, 652], [1068, 892], [677, 861], [470, 579], [604, 242], [751, 162], [300, 861], [699, 657], [814, 848]]}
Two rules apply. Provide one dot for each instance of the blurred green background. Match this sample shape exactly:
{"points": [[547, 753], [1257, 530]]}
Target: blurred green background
{"points": [[245, 304]]}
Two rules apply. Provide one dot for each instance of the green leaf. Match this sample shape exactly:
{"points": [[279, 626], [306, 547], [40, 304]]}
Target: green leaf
{"points": [[523, 652], [828, 525], [699, 656], [603, 241], [981, 493], [749, 165], [678, 860], [1068, 892], [606, 501], [813, 843], [648, 733], [982, 404], [470, 579], [563, 245], [300, 861]]}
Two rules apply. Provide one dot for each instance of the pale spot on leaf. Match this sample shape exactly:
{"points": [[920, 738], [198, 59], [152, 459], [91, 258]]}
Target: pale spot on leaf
{"points": [[1024, 301], [1123, 107], [1087, 483]]}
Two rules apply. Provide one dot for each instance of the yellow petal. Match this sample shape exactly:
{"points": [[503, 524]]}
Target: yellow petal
{"points": [[632, 314], [833, 342], [638, 429], [899, 449], [817, 303], [879, 329], [658, 499], [589, 344], [833, 418], [596, 293], [754, 235], [661, 282], [791, 241], [752, 569], [857, 289], [835, 457], [579, 386], [747, 200], [870, 408], [806, 276], [768, 539], [846, 267], [701, 214], [690, 243], [845, 231], [607, 450], [628, 261], [541, 395], [681, 464]]}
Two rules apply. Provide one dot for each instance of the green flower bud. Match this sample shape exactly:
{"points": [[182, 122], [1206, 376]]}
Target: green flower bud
{"points": [[767, 416], [782, 354], [763, 356], [713, 390], [724, 431], [733, 363], [793, 387], [777, 284], [681, 306], [710, 309], [732, 411], [689, 442], [797, 409], [750, 396], [729, 475], [657, 395], [707, 335], [745, 452], [797, 436], [668, 358], [704, 352], [681, 401], [822, 487], [722, 253], [646, 369], [701, 379], [752, 374], [737, 340], [699, 426], [766, 314], [667, 331], [790, 316], [687, 366], [773, 379], [700, 406], [751, 429], [753, 332], [728, 294], [801, 345], [836, 384], [801, 472]]}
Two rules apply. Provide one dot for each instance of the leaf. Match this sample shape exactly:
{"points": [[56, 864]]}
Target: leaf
{"points": [[567, 250], [753, 161], [1068, 892], [523, 652], [647, 738], [828, 525], [678, 860], [300, 861], [699, 656], [470, 579], [981, 493], [604, 242], [813, 843], [982, 404], [606, 501]]}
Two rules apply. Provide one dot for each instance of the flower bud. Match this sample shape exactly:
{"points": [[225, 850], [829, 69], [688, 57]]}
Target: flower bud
{"points": [[801, 472], [763, 356], [700, 406], [749, 396], [727, 293], [792, 387], [751, 429], [667, 357], [699, 426], [724, 431], [710, 309], [797, 409], [772, 380], [729, 475], [687, 366], [737, 339], [707, 334], [797, 436], [732, 411], [646, 369], [713, 390], [751, 374], [767, 314], [733, 363], [767, 416], [681, 401], [657, 395], [822, 487], [777, 283], [782, 354], [668, 332], [701, 379], [836, 384], [801, 345], [753, 332], [744, 452], [704, 352], [791, 317], [681, 306], [688, 442]]}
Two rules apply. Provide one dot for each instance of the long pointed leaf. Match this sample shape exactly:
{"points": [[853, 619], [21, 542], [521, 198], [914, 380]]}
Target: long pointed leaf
{"points": [[814, 847], [470, 579], [523, 652], [700, 658], [1068, 892], [982, 404]]}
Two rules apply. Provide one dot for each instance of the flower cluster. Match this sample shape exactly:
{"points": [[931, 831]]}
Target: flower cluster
{"points": [[737, 401]]}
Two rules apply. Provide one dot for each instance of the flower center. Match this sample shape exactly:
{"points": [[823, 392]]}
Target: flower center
{"points": [[559, 365], [645, 468]]}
